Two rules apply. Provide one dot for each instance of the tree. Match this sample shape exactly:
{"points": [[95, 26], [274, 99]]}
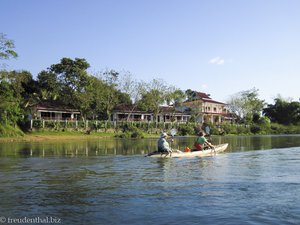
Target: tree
{"points": [[72, 81], [190, 94], [153, 97], [130, 86], [283, 112], [10, 110], [151, 102], [174, 96], [18, 91], [6, 48], [108, 93], [245, 104], [49, 86]]}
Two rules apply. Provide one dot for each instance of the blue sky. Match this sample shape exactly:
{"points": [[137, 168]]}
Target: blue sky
{"points": [[220, 47]]}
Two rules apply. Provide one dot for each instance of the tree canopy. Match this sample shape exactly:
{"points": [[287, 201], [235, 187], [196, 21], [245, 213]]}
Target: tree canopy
{"points": [[6, 48], [245, 104], [283, 112]]}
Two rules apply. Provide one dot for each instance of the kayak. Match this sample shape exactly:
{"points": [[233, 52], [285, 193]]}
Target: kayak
{"points": [[181, 154]]}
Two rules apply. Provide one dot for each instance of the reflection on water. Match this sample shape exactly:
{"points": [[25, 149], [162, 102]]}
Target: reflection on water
{"points": [[138, 146]]}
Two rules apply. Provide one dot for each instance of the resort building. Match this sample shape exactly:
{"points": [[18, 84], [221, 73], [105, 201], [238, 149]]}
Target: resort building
{"points": [[125, 112], [201, 107], [207, 110], [54, 111]]}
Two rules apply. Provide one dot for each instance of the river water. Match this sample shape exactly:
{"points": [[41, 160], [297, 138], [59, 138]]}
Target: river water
{"points": [[108, 181]]}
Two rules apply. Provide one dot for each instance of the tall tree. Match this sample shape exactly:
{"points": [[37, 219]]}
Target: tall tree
{"points": [[245, 104], [6, 48], [73, 80], [283, 112], [49, 86], [110, 94], [174, 96], [153, 97], [10, 110], [17, 92], [151, 102], [190, 94]]}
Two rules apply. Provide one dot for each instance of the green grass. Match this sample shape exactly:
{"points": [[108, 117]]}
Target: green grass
{"points": [[69, 133], [9, 131]]}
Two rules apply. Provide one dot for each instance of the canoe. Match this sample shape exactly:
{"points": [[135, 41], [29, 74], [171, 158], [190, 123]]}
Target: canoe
{"points": [[181, 154]]}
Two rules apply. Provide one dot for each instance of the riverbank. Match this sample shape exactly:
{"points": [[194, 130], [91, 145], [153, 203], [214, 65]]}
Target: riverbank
{"points": [[37, 136], [55, 136]]}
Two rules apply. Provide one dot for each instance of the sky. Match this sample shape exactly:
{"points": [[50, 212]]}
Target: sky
{"points": [[220, 47]]}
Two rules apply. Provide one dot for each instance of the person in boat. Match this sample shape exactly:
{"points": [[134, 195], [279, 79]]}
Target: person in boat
{"points": [[201, 142], [163, 145]]}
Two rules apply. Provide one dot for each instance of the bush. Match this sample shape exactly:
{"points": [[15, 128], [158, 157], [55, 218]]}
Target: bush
{"points": [[130, 131], [186, 129], [37, 124], [228, 129], [9, 131], [255, 129]]}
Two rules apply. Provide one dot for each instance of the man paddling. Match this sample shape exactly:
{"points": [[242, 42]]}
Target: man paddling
{"points": [[162, 144], [201, 142]]}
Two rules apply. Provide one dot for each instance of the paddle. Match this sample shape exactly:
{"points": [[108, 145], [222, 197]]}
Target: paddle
{"points": [[173, 132]]}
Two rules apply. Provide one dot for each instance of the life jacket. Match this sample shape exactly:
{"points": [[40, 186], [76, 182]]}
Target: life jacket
{"points": [[187, 149]]}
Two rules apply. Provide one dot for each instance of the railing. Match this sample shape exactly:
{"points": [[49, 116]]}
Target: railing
{"points": [[96, 124]]}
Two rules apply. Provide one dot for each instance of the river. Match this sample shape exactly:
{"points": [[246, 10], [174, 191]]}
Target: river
{"points": [[109, 181]]}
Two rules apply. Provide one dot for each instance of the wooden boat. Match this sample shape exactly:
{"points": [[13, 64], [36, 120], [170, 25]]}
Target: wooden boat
{"points": [[181, 154]]}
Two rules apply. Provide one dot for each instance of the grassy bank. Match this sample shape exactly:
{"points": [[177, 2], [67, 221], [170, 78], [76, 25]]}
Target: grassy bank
{"points": [[55, 136], [8, 133], [46, 135]]}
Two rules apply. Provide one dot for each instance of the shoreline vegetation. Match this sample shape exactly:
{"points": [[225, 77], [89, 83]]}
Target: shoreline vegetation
{"points": [[12, 134]]}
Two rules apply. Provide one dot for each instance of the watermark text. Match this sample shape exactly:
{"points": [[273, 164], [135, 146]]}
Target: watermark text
{"points": [[30, 220]]}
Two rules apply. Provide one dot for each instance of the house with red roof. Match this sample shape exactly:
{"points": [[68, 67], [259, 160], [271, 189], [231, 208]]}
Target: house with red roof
{"points": [[54, 111], [206, 109], [201, 106]]}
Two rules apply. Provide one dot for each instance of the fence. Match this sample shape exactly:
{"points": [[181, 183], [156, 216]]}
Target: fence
{"points": [[99, 125]]}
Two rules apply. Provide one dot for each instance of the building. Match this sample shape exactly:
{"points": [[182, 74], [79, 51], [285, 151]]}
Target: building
{"points": [[54, 111], [206, 110], [125, 112], [201, 106]]}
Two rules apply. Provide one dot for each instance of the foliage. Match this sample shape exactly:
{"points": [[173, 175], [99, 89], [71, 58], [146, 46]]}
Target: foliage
{"points": [[174, 96], [284, 129], [151, 101], [10, 110], [283, 112], [157, 93], [9, 131], [72, 78], [190, 94], [49, 86], [108, 96], [245, 104], [6, 48], [186, 129], [130, 131]]}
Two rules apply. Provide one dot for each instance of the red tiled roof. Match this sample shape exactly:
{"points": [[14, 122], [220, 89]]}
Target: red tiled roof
{"points": [[202, 95], [206, 98], [54, 106]]}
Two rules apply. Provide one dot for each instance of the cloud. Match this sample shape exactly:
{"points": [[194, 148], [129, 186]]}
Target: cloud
{"points": [[217, 61]]}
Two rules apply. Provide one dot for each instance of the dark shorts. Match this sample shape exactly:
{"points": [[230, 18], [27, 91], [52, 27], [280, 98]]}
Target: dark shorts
{"points": [[162, 150]]}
